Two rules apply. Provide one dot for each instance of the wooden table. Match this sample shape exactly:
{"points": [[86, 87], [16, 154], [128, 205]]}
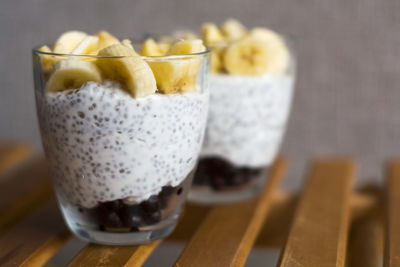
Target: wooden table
{"points": [[327, 224]]}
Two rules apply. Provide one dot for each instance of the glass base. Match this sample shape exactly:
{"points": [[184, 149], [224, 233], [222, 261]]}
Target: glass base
{"points": [[204, 194], [144, 236]]}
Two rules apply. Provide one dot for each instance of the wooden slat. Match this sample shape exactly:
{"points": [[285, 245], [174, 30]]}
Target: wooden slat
{"points": [[228, 233], [24, 192], [192, 216], [276, 227], [109, 256], [36, 239], [392, 246], [11, 155], [318, 235]]}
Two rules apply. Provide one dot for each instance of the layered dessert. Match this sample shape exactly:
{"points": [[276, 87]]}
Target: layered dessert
{"points": [[122, 132], [251, 87]]}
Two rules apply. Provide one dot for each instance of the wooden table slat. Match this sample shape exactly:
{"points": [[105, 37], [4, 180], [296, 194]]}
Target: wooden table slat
{"points": [[392, 246], [11, 155], [227, 234], [318, 234], [35, 239], [23, 192], [110, 256]]}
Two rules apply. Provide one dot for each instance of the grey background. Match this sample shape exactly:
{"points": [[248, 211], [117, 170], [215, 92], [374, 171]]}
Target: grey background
{"points": [[347, 99]]}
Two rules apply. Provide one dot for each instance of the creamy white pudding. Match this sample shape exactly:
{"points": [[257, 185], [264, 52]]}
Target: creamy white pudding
{"points": [[247, 118], [104, 145]]}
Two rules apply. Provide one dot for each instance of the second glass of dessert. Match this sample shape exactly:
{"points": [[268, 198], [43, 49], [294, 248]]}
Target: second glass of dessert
{"points": [[251, 87], [122, 132]]}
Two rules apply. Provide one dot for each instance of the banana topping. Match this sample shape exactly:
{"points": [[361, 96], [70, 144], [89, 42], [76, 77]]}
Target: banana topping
{"points": [[178, 75], [127, 68], [108, 58], [239, 51]]}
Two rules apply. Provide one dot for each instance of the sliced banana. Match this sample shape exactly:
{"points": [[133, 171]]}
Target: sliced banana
{"points": [[233, 29], [211, 34], [68, 41], [88, 46], [150, 49], [48, 61], [248, 56], [127, 68], [187, 47], [278, 52], [72, 73], [105, 39], [164, 47], [216, 60], [178, 75]]}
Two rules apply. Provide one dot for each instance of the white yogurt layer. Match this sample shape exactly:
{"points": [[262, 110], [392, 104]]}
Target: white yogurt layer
{"points": [[104, 145], [247, 118]]}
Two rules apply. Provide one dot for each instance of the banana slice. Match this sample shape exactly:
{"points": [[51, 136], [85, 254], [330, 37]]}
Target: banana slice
{"points": [[88, 46], [248, 56], [278, 53], [105, 39], [233, 29], [150, 48], [211, 34], [187, 47], [164, 47], [72, 73], [48, 61], [127, 68], [216, 60], [68, 41], [178, 75]]}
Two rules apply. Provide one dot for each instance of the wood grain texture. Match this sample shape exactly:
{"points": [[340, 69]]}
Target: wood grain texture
{"points": [[35, 239], [228, 233], [12, 155], [276, 227], [365, 246], [23, 192], [392, 246], [110, 256], [318, 234]]}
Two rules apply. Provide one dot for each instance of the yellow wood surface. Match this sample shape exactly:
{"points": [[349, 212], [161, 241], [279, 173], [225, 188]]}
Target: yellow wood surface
{"points": [[227, 234], [12, 155], [392, 246], [35, 239], [318, 234], [23, 192], [110, 256]]}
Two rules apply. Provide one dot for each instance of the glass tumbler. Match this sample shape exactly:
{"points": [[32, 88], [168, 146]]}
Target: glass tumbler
{"points": [[246, 125], [122, 166]]}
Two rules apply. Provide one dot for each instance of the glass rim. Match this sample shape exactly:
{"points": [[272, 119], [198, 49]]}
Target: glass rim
{"points": [[36, 50]]}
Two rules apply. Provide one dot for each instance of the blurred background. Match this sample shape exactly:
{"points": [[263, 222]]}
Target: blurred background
{"points": [[347, 98]]}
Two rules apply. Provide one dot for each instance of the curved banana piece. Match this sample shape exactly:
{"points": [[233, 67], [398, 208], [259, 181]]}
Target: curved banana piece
{"points": [[105, 39], [68, 41], [233, 29], [211, 34], [126, 67], [150, 49], [248, 56], [47, 61], [178, 75], [72, 73], [278, 52], [88, 46]]}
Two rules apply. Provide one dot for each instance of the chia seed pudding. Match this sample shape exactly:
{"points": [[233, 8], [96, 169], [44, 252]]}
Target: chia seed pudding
{"points": [[106, 147], [247, 121]]}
